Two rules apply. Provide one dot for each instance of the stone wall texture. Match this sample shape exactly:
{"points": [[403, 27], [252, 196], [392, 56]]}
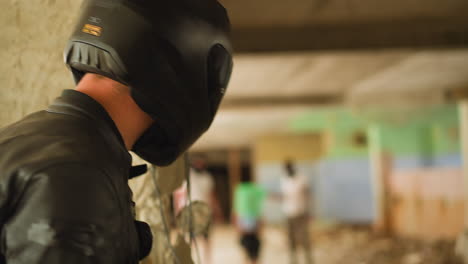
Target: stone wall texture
{"points": [[33, 34]]}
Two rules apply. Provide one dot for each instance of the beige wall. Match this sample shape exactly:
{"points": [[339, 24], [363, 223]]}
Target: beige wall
{"points": [[33, 35], [276, 148]]}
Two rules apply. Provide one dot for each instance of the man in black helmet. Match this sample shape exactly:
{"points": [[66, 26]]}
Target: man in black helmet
{"points": [[150, 76]]}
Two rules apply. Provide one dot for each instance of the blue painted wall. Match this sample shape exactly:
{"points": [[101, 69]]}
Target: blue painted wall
{"points": [[343, 190], [340, 189]]}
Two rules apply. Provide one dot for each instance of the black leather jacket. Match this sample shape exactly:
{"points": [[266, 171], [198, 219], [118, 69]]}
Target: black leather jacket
{"points": [[64, 196]]}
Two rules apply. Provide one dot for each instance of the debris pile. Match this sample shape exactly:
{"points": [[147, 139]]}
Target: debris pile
{"points": [[361, 246]]}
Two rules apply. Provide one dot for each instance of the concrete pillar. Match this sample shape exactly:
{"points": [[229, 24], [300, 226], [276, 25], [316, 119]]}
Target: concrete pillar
{"points": [[379, 177], [462, 243], [463, 110], [375, 148], [234, 170]]}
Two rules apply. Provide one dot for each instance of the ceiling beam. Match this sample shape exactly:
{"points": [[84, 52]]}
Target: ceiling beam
{"points": [[418, 33], [275, 101]]}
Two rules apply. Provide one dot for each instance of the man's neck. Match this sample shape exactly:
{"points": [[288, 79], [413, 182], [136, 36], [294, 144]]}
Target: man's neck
{"points": [[130, 120]]}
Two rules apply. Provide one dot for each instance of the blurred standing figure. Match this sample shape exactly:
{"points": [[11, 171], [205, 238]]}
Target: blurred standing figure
{"points": [[248, 203], [295, 192], [202, 188]]}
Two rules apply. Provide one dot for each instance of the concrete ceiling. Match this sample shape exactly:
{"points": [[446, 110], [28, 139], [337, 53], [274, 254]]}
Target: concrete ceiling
{"points": [[357, 52], [248, 13], [306, 74], [267, 91], [276, 25], [355, 76], [425, 77]]}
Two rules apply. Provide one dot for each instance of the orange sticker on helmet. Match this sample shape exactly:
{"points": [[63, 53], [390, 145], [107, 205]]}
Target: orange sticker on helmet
{"points": [[92, 30]]}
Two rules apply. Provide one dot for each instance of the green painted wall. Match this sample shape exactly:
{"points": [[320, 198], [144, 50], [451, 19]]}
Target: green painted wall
{"points": [[434, 132], [414, 132], [339, 124]]}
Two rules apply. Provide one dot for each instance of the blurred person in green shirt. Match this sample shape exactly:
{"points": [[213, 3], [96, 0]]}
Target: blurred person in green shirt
{"points": [[248, 204]]}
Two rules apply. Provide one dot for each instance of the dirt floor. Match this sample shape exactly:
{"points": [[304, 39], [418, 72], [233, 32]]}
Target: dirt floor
{"points": [[360, 246], [340, 245]]}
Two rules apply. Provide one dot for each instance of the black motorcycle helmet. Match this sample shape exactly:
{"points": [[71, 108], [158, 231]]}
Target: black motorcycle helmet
{"points": [[174, 54]]}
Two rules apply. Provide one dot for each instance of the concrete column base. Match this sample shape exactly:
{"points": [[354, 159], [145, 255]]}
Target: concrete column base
{"points": [[461, 247]]}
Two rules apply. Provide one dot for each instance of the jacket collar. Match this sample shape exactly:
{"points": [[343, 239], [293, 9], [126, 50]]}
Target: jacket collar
{"points": [[78, 104]]}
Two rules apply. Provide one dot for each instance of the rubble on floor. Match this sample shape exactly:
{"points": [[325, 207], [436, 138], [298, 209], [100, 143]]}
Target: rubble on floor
{"points": [[361, 246]]}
